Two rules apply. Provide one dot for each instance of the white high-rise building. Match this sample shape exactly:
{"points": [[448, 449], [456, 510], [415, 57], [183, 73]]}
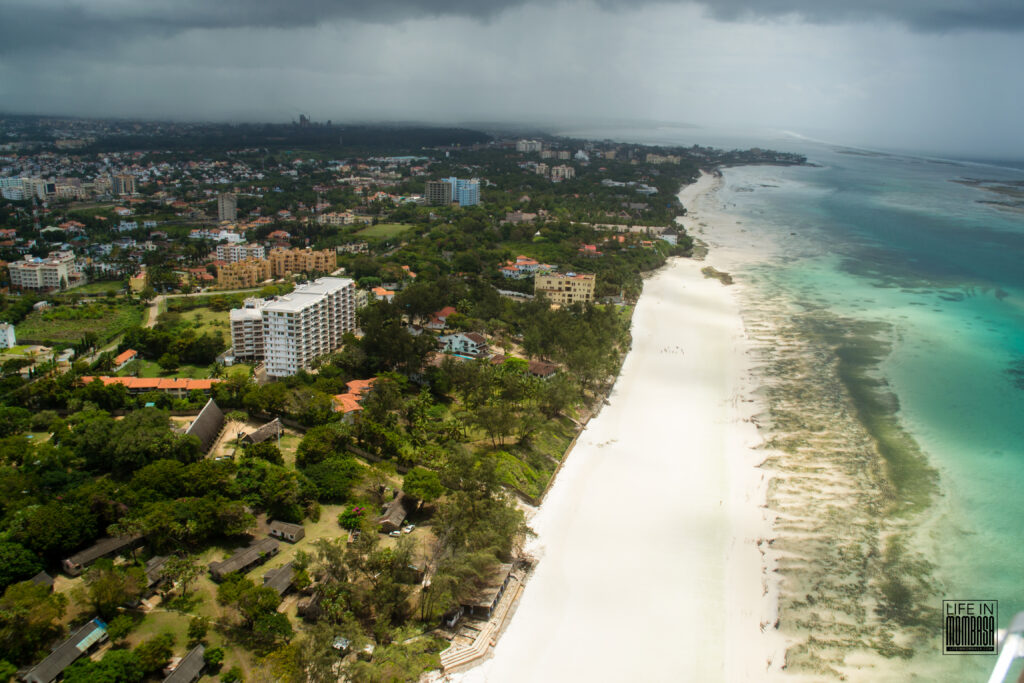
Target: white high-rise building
{"points": [[233, 253], [247, 330], [297, 327]]}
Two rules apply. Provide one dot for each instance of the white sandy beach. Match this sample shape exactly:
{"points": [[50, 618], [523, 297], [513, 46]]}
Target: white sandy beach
{"points": [[649, 565]]}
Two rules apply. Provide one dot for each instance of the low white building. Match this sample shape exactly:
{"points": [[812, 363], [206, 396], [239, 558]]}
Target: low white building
{"points": [[7, 340], [469, 343]]}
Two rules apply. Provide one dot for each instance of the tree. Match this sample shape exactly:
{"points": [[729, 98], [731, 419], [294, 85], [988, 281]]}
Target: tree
{"points": [[154, 654], [197, 629], [14, 420], [120, 626], [214, 657], [55, 528], [266, 450], [117, 666], [182, 570], [334, 478], [320, 443], [423, 484], [232, 675], [168, 362], [29, 620], [17, 563], [108, 587]]}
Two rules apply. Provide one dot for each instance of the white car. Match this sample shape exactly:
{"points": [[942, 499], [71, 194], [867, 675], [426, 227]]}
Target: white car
{"points": [[396, 532], [409, 528]]}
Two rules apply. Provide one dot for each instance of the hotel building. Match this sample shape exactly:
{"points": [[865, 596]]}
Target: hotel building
{"points": [[290, 331], [56, 271], [565, 289], [287, 261], [243, 274], [232, 253]]}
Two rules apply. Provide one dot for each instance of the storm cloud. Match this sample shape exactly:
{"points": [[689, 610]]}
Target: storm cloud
{"points": [[914, 74], [69, 24]]}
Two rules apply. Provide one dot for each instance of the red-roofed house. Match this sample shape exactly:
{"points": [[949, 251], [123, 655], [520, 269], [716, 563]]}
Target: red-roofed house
{"points": [[124, 358], [440, 318], [350, 402]]}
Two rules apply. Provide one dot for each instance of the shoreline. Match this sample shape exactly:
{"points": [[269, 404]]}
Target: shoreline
{"points": [[676, 446]]}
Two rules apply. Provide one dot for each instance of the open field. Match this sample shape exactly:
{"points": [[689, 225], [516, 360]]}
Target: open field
{"points": [[67, 324], [147, 368], [99, 287], [384, 230], [205, 319]]}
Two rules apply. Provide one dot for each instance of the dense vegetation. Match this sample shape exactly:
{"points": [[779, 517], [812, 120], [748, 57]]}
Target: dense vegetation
{"points": [[463, 439]]}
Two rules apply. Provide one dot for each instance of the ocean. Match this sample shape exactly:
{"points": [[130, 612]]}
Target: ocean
{"points": [[887, 291]]}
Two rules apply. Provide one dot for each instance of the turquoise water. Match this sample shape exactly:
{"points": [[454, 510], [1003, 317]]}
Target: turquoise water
{"points": [[890, 244], [891, 239]]}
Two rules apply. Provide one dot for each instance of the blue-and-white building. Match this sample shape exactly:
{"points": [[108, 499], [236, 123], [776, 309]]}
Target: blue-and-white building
{"points": [[465, 192]]}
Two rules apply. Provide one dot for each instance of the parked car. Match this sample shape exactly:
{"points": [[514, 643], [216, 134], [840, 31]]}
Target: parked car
{"points": [[396, 532], [409, 529]]}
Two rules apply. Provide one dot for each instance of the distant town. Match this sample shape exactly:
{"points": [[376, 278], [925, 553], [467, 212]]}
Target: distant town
{"points": [[275, 395]]}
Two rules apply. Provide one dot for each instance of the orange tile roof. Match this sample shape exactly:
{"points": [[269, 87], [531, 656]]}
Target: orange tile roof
{"points": [[156, 383], [346, 403], [360, 386], [125, 356], [445, 312]]}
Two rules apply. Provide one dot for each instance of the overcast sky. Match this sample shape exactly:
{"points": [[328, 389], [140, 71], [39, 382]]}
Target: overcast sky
{"points": [[936, 75]]}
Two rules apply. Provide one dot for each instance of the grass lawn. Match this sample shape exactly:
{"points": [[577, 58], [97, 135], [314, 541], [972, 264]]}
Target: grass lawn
{"points": [[67, 324], [147, 368], [384, 230], [101, 287], [205, 320], [289, 444], [239, 370]]}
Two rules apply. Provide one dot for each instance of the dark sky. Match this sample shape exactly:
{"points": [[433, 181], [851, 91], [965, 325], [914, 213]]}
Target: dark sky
{"points": [[936, 75]]}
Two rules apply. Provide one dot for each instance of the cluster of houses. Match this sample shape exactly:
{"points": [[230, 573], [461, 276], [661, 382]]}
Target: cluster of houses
{"points": [[525, 267]]}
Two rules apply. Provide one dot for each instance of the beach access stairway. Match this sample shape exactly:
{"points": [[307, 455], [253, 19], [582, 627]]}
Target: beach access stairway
{"points": [[455, 657]]}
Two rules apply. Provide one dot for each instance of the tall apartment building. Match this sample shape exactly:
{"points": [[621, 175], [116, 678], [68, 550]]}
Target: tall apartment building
{"points": [[438, 193], [227, 207], [247, 330], [465, 192], [122, 184], [11, 188], [296, 328], [287, 261], [233, 253], [33, 187], [448, 190], [529, 146], [56, 271], [563, 172], [243, 274], [565, 288]]}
